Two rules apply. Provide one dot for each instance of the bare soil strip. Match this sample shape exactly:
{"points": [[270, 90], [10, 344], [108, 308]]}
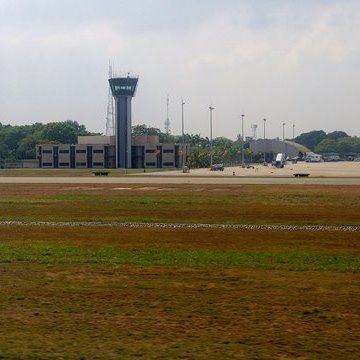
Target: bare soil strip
{"points": [[279, 227]]}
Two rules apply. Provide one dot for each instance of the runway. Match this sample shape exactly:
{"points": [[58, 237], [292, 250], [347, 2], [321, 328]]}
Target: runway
{"points": [[216, 180], [339, 173]]}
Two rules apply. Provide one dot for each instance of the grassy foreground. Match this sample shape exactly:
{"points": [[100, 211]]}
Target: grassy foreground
{"points": [[229, 204], [88, 292]]}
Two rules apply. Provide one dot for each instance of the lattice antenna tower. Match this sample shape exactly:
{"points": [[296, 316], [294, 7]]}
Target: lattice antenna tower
{"points": [[254, 130], [167, 121], [110, 118]]}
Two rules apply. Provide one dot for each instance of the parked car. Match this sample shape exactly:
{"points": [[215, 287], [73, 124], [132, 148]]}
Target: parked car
{"points": [[217, 167]]}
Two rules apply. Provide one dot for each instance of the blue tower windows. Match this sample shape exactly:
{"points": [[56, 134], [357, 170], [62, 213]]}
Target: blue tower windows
{"points": [[120, 88], [123, 86]]}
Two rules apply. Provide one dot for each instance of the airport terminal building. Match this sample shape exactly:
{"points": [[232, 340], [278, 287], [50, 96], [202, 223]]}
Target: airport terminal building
{"points": [[119, 151], [100, 152]]}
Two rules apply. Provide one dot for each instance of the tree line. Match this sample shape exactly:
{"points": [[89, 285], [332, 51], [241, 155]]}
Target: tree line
{"points": [[333, 142], [19, 142], [223, 149]]}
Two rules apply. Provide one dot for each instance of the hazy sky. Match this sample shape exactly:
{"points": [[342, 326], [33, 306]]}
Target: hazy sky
{"points": [[292, 61]]}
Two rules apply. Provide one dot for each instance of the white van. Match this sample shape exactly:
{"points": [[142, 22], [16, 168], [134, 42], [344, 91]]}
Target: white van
{"points": [[280, 160], [312, 157]]}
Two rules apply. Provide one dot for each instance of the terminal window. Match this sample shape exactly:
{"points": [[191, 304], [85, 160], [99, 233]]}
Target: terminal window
{"points": [[98, 151], [81, 151], [150, 164], [168, 164], [150, 151], [168, 151], [47, 151], [47, 164]]}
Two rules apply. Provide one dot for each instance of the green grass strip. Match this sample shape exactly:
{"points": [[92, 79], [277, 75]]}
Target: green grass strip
{"points": [[182, 258]]}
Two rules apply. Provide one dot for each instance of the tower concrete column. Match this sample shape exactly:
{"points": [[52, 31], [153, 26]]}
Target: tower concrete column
{"points": [[123, 90]]}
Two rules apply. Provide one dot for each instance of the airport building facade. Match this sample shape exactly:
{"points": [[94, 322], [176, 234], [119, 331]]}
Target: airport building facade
{"points": [[119, 151], [100, 152]]}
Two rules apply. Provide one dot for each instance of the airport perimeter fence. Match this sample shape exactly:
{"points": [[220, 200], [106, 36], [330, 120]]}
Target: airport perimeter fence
{"points": [[19, 164]]}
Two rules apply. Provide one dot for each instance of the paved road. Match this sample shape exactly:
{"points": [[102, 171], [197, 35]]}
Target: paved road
{"points": [[180, 180]]}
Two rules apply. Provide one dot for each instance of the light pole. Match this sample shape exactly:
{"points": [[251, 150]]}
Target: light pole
{"points": [[264, 143], [283, 126], [211, 108], [182, 132], [242, 139]]}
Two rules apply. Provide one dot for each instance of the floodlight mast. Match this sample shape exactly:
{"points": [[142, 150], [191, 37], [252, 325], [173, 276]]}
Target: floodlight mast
{"points": [[183, 153], [211, 108], [264, 143], [283, 130], [242, 139]]}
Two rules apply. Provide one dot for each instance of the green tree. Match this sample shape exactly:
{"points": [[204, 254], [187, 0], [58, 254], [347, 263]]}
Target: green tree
{"points": [[141, 130], [19, 142], [61, 132], [335, 135], [311, 139], [199, 157], [4, 151], [167, 138], [327, 146], [27, 146], [223, 142], [80, 129], [343, 145], [348, 145], [10, 137], [196, 140]]}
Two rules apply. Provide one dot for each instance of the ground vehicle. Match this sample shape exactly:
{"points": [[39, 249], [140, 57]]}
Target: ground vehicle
{"points": [[217, 167], [331, 157], [312, 157], [280, 160]]}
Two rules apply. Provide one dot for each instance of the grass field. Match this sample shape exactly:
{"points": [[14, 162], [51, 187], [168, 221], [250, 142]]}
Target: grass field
{"points": [[91, 292]]}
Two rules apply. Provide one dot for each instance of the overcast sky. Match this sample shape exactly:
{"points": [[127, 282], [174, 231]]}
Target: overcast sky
{"points": [[287, 61]]}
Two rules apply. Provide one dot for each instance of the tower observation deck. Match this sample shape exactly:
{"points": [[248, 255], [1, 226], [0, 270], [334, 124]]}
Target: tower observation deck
{"points": [[123, 90]]}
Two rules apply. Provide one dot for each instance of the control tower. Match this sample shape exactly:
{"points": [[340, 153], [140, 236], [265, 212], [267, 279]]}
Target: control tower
{"points": [[123, 90]]}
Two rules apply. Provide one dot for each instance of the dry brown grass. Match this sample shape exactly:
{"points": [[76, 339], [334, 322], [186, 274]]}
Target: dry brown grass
{"points": [[108, 310], [187, 203]]}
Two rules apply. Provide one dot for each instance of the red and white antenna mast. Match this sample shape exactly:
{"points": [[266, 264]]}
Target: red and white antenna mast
{"points": [[110, 119]]}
